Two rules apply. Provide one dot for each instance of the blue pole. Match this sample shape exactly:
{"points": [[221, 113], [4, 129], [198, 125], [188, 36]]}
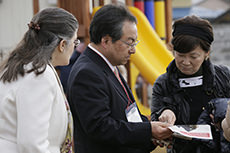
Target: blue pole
{"points": [[149, 11]]}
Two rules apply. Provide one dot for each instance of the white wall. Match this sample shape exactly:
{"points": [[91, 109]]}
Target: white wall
{"points": [[47, 3], [14, 16]]}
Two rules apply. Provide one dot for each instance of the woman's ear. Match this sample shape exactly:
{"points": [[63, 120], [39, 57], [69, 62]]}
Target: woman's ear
{"points": [[173, 53], [169, 46], [61, 46], [207, 55]]}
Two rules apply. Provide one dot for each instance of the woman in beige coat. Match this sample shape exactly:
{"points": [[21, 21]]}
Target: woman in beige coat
{"points": [[34, 113]]}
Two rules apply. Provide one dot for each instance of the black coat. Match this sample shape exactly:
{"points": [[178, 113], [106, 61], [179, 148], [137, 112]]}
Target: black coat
{"points": [[217, 107], [167, 94]]}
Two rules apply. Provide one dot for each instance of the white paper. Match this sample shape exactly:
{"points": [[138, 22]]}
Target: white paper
{"points": [[192, 131]]}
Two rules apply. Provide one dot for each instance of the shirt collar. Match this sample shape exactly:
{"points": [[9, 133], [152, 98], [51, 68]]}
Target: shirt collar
{"points": [[103, 57]]}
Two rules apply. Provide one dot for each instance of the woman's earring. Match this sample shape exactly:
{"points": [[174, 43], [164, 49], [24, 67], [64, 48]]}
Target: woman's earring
{"points": [[206, 58]]}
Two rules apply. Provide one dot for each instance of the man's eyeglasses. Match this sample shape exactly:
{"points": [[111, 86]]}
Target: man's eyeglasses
{"points": [[130, 45], [76, 42]]}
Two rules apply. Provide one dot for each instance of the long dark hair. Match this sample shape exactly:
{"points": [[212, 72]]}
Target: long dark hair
{"points": [[46, 29]]}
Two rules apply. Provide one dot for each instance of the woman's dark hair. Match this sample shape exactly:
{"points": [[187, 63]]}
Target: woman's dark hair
{"points": [[46, 29], [109, 20], [191, 32]]}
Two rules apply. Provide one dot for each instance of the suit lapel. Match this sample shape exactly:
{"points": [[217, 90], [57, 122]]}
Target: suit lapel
{"points": [[118, 86], [97, 59]]}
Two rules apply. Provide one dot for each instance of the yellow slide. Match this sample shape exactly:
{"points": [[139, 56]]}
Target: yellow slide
{"points": [[151, 57]]}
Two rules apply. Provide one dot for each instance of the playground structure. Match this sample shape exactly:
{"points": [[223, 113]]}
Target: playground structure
{"points": [[151, 57], [154, 31]]}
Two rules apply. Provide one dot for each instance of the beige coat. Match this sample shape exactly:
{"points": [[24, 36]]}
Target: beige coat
{"points": [[226, 123], [33, 115]]}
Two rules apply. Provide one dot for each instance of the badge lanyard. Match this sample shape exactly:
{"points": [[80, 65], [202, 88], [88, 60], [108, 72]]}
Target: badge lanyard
{"points": [[131, 111]]}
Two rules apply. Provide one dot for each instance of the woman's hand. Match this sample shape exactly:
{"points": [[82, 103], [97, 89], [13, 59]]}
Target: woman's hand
{"points": [[167, 116]]}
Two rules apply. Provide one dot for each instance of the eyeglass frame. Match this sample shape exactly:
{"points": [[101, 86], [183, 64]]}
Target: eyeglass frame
{"points": [[130, 45]]}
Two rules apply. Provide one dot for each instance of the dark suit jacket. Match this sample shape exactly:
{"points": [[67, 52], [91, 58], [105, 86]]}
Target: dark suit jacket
{"points": [[98, 102]]}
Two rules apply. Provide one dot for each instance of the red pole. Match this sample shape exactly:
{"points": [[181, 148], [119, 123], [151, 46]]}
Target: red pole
{"points": [[140, 4]]}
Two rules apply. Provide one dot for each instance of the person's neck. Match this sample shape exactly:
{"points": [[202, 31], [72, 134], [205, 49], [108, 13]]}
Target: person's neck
{"points": [[198, 73], [101, 49]]}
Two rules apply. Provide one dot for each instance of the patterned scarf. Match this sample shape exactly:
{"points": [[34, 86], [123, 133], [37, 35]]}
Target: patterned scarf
{"points": [[67, 146]]}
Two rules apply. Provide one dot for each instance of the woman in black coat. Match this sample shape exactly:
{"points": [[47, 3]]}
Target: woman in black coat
{"points": [[191, 81]]}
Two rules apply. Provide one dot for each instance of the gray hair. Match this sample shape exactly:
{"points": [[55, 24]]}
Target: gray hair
{"points": [[46, 29]]}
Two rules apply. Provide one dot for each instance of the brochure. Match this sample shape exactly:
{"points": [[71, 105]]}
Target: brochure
{"points": [[192, 131]]}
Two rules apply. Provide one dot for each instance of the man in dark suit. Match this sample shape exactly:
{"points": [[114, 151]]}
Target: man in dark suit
{"points": [[106, 118]]}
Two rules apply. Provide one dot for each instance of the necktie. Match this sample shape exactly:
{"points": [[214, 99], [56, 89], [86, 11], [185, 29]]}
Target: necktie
{"points": [[118, 77]]}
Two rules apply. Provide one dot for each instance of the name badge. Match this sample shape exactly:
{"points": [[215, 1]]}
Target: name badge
{"points": [[191, 82], [132, 113]]}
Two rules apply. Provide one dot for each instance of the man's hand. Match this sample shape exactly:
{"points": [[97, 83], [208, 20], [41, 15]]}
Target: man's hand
{"points": [[167, 116], [160, 130]]}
